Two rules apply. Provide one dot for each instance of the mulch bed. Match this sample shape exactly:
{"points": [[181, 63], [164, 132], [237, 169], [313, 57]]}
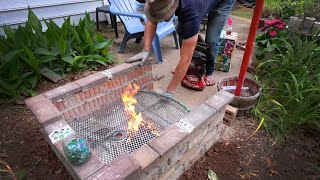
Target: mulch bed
{"points": [[256, 158]]}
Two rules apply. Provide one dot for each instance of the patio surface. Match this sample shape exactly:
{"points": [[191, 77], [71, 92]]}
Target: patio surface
{"points": [[171, 58]]}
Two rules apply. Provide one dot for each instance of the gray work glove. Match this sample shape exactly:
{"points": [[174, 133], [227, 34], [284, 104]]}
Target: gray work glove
{"points": [[167, 94], [142, 56]]}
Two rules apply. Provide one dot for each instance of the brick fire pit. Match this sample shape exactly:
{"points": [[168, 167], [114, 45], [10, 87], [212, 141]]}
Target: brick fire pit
{"points": [[165, 156]]}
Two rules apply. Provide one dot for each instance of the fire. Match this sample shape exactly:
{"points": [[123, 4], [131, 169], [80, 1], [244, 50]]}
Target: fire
{"points": [[136, 121]]}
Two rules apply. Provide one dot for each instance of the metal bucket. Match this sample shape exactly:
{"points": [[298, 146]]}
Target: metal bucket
{"points": [[244, 104]]}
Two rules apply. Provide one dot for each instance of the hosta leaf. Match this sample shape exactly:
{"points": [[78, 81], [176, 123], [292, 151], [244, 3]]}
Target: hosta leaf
{"points": [[77, 58], [32, 79], [50, 74], [34, 21], [8, 57], [75, 34], [21, 38], [100, 37], [9, 32], [88, 37], [31, 60], [103, 44], [101, 62], [46, 59], [62, 46], [69, 59], [43, 51]]}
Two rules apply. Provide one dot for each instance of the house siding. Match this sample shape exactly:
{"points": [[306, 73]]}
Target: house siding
{"points": [[15, 12]]}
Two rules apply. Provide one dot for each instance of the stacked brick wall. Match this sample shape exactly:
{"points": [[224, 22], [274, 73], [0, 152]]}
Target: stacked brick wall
{"points": [[97, 90]]}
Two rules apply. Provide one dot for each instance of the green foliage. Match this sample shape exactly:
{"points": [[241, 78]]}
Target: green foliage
{"points": [[270, 40], [291, 84], [212, 175], [27, 53], [273, 8], [301, 8]]}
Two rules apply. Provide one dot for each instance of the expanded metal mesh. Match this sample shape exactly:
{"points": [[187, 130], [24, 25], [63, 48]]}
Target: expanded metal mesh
{"points": [[102, 126]]}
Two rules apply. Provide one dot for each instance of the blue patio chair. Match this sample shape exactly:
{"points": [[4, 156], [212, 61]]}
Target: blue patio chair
{"points": [[131, 14]]}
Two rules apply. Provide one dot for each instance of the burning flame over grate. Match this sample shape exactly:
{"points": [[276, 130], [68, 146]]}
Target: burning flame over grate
{"points": [[136, 121]]}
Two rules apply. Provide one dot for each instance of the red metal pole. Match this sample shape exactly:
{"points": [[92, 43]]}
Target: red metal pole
{"points": [[251, 38]]}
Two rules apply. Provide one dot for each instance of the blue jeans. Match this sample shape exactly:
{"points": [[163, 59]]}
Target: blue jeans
{"points": [[217, 18]]}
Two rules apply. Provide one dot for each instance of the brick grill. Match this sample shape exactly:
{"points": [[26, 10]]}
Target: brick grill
{"points": [[164, 157]]}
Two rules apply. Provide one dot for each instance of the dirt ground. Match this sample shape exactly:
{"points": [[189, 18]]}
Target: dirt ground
{"points": [[259, 158], [24, 148]]}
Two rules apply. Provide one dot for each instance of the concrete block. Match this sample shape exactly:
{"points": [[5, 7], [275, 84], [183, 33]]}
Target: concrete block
{"points": [[78, 172], [231, 112], [44, 110], [124, 167], [62, 91], [91, 80], [199, 115], [167, 139], [220, 100], [145, 155]]}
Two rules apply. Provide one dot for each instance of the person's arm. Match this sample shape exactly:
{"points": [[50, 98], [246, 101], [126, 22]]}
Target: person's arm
{"points": [[186, 53], [149, 32]]}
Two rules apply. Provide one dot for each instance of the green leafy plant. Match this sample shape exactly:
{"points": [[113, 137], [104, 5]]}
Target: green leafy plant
{"points": [[291, 88], [301, 8], [28, 53], [273, 8], [268, 41], [212, 175]]}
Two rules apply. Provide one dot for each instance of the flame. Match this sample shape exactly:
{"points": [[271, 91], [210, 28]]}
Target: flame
{"points": [[136, 121]]}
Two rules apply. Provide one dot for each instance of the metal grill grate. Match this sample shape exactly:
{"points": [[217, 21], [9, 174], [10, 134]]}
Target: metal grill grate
{"points": [[103, 128]]}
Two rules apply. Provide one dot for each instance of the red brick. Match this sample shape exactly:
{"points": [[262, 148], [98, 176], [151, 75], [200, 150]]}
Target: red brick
{"points": [[82, 110], [87, 107], [145, 155], [101, 87], [91, 105], [130, 76], [71, 101], [77, 97], [108, 84], [44, 110], [124, 167], [104, 99], [87, 94], [91, 80], [96, 103], [60, 105], [167, 139], [65, 104], [62, 91], [72, 114], [82, 96], [96, 90], [77, 111], [92, 93], [100, 100], [66, 116]]}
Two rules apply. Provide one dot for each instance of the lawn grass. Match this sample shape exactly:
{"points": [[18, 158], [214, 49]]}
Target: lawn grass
{"points": [[242, 11]]}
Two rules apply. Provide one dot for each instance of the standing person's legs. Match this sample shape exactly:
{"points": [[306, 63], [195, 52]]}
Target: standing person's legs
{"points": [[216, 21]]}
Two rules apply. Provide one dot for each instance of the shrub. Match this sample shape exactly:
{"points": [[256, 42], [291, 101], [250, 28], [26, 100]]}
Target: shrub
{"points": [[28, 53], [291, 88]]}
